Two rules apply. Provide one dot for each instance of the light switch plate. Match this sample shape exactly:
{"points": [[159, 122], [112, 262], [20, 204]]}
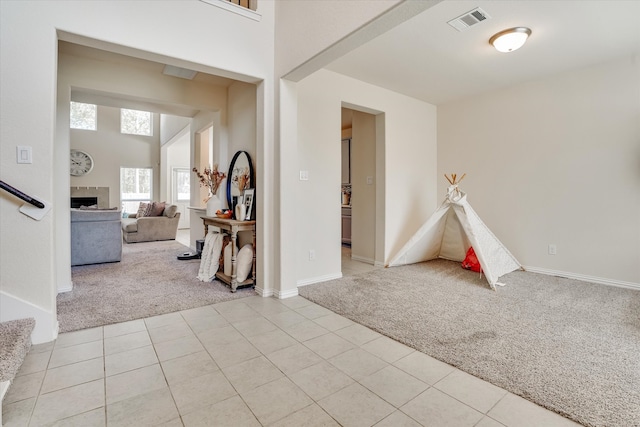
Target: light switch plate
{"points": [[24, 154]]}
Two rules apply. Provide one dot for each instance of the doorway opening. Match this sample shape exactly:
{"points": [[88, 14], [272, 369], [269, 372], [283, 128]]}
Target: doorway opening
{"points": [[359, 195], [168, 156]]}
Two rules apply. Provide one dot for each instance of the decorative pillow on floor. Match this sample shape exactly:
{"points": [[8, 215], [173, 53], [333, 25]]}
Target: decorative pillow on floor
{"points": [[244, 262]]}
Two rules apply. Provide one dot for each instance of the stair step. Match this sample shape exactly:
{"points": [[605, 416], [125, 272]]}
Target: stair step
{"points": [[15, 341]]}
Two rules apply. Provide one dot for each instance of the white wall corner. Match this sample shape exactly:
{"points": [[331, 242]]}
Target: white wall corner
{"points": [[263, 292], [318, 279], [13, 308], [583, 277], [65, 288]]}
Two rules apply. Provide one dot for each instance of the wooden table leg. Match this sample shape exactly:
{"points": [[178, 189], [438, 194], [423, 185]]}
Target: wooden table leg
{"points": [[254, 257], [234, 261]]}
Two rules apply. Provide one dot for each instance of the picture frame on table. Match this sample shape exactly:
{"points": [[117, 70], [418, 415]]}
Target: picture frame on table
{"points": [[247, 197]]}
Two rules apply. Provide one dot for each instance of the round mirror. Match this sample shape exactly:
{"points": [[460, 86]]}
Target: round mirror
{"points": [[239, 178]]}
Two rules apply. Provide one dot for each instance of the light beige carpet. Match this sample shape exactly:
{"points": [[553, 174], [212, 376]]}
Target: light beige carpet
{"points": [[570, 346], [148, 281]]}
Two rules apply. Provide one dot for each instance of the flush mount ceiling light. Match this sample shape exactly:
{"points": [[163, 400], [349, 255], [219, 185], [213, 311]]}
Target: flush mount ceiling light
{"points": [[511, 39]]}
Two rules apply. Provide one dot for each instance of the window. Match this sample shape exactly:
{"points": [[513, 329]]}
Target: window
{"points": [[135, 122], [246, 8], [83, 116], [249, 4], [135, 187], [181, 184]]}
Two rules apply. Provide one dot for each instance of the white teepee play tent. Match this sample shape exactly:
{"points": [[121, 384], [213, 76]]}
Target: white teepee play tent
{"points": [[450, 231]]}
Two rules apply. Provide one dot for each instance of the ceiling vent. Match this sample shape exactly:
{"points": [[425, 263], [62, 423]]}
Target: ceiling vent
{"points": [[469, 19], [183, 73]]}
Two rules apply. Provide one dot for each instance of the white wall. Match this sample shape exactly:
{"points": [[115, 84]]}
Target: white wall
{"points": [[234, 129], [181, 139], [363, 200], [28, 60], [202, 121], [308, 36], [305, 28], [555, 161], [176, 153], [171, 125], [407, 166], [112, 150], [241, 120]]}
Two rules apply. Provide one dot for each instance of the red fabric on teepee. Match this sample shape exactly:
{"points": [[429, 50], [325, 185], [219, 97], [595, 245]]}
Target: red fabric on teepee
{"points": [[471, 261]]}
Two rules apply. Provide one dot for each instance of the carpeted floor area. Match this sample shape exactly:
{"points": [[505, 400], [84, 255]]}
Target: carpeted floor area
{"points": [[148, 281], [570, 346], [15, 341]]}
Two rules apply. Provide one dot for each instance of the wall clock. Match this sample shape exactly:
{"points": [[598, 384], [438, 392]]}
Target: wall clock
{"points": [[81, 163]]}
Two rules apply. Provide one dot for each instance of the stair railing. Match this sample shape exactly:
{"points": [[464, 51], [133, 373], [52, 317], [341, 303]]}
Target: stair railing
{"points": [[21, 195]]}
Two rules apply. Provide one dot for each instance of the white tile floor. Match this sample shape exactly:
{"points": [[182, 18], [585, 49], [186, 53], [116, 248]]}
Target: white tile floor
{"points": [[351, 267], [251, 362]]}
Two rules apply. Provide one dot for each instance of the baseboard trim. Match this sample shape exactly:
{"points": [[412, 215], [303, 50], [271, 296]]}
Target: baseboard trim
{"points": [[4, 387], [12, 308], [263, 292], [318, 279], [363, 259], [584, 277], [67, 288], [286, 294]]}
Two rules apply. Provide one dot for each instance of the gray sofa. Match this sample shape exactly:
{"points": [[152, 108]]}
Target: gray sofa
{"points": [[152, 228], [96, 236]]}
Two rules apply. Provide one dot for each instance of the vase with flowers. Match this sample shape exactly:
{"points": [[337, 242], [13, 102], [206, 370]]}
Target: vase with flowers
{"points": [[240, 181], [211, 178]]}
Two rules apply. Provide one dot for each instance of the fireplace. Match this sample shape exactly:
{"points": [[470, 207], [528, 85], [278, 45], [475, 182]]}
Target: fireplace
{"points": [[76, 202], [88, 196]]}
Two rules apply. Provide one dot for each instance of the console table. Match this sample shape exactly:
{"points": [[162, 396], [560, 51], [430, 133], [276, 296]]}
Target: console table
{"points": [[231, 227]]}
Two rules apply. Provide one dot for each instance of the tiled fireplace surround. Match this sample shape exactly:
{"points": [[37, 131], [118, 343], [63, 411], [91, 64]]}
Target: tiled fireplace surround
{"points": [[102, 194]]}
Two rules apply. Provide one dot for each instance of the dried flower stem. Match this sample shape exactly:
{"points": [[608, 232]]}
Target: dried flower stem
{"points": [[210, 178]]}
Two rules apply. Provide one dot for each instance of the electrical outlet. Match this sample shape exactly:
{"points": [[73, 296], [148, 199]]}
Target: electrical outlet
{"points": [[312, 255], [304, 175], [553, 250]]}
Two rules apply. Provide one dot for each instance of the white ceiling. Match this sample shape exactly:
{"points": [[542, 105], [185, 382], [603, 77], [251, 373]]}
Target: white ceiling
{"points": [[425, 58]]}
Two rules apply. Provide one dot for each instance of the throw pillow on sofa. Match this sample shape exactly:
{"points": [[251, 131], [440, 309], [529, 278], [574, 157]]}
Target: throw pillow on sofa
{"points": [[143, 209], [170, 211], [157, 209]]}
